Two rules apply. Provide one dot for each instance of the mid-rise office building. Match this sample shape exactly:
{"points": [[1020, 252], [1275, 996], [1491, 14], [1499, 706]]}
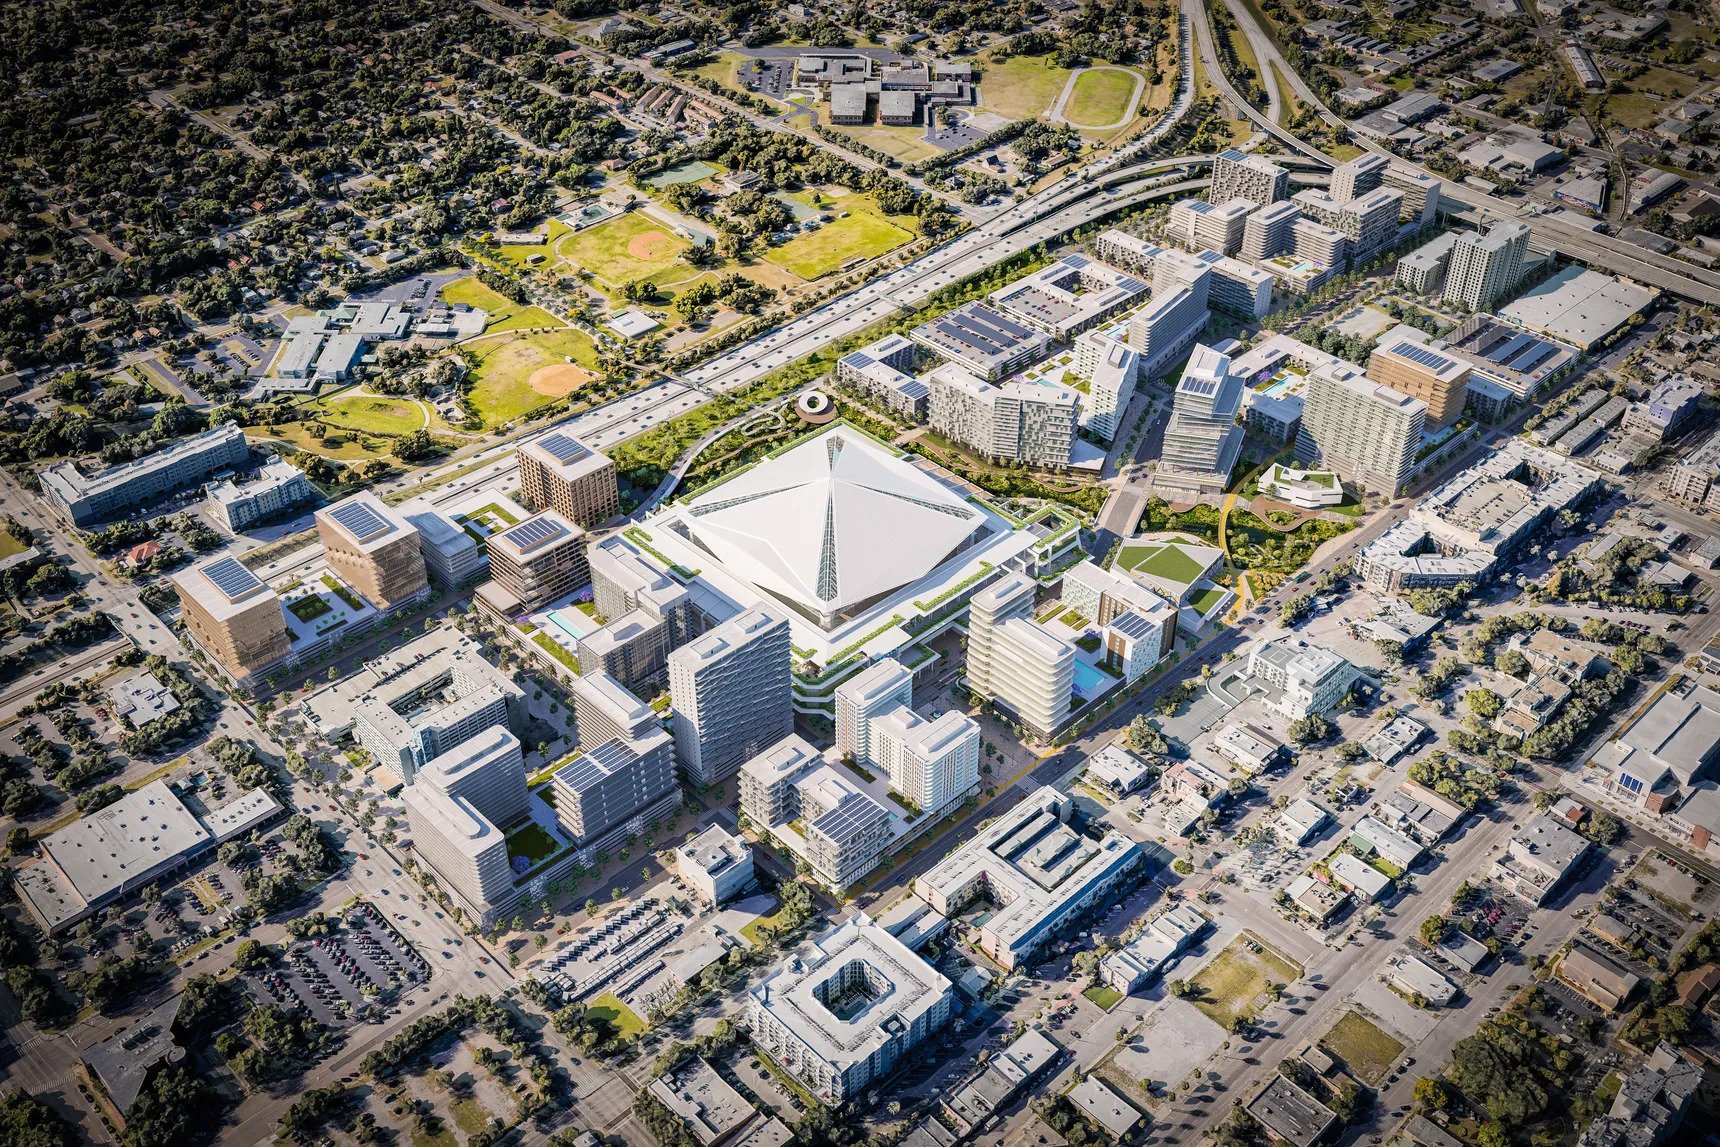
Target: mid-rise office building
{"points": [[603, 790], [1012, 421], [417, 702], [874, 691], [1024, 669], [374, 549], [1486, 267], [1409, 366], [1202, 226], [1238, 175], [604, 710], [233, 616], [731, 693], [846, 1015], [452, 556], [1296, 679], [1203, 439], [87, 499], [539, 560], [1314, 242], [1366, 432], [278, 487], [558, 472], [1267, 230]]}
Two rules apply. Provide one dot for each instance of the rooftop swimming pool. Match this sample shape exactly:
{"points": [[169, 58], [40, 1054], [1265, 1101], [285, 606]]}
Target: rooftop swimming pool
{"points": [[1090, 680], [571, 622]]}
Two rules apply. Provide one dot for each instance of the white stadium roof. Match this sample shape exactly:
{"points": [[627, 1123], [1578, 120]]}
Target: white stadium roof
{"points": [[832, 523]]}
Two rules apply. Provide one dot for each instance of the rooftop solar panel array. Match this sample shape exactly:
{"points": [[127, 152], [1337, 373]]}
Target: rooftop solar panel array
{"points": [[596, 764], [1532, 358], [361, 521], [1422, 356], [1509, 348], [855, 814], [535, 532], [1133, 625], [983, 329], [231, 577], [563, 448]]}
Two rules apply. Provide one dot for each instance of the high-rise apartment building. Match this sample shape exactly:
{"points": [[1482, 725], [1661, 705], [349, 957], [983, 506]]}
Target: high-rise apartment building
{"points": [[731, 691], [1011, 421], [1484, 268], [1267, 230], [458, 810], [1111, 368], [623, 782], [1203, 440], [374, 549], [1366, 432], [1411, 367], [1423, 269], [874, 691], [1358, 176], [1319, 244], [931, 762], [539, 560], [558, 472], [1202, 226], [1420, 193], [233, 616], [604, 710], [1025, 669], [1164, 329], [1238, 175], [278, 487]]}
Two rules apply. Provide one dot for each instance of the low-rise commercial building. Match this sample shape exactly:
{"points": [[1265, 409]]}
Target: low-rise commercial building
{"points": [[1297, 679], [1037, 869], [1540, 858], [716, 864]]}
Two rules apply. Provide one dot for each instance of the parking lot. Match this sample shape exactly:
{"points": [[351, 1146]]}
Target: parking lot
{"points": [[344, 976]]}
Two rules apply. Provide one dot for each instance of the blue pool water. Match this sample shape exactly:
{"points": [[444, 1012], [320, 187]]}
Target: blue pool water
{"points": [[572, 622], [1090, 681]]}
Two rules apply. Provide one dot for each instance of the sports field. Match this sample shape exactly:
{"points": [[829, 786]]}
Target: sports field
{"points": [[1021, 87], [817, 253], [623, 249], [1101, 97], [471, 292], [514, 375], [373, 414]]}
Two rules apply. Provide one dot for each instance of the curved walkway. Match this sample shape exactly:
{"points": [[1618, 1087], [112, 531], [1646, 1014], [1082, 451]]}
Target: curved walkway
{"points": [[1057, 115]]}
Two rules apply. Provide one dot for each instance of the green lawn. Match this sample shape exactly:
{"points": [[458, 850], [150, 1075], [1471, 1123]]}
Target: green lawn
{"points": [[532, 842], [548, 644], [309, 608], [1232, 985], [1105, 996], [522, 319], [471, 292], [1100, 98], [623, 249], [751, 930], [609, 1006], [470, 1116], [373, 415], [1021, 87], [861, 235], [520, 254], [1366, 1051], [1160, 560], [1206, 599], [9, 545]]}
